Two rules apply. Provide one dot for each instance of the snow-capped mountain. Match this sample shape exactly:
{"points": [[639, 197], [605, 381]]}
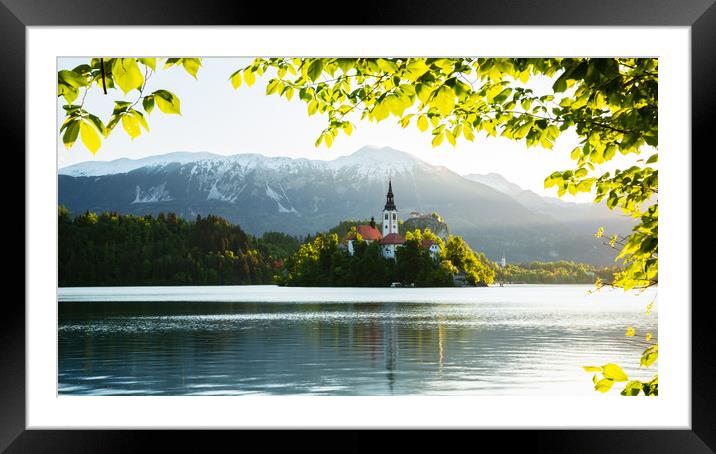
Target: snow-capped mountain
{"points": [[302, 196], [124, 165]]}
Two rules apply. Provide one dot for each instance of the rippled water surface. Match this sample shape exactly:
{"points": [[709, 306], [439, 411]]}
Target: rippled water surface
{"points": [[512, 340]]}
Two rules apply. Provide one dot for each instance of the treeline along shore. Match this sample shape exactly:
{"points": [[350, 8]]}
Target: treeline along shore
{"points": [[111, 249]]}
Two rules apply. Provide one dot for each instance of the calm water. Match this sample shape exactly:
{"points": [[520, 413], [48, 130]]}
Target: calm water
{"points": [[513, 340]]}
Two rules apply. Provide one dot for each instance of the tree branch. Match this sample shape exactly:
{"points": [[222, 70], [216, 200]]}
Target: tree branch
{"points": [[101, 67]]}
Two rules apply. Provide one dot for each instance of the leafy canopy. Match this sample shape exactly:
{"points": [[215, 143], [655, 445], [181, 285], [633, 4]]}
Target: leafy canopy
{"points": [[130, 76]]}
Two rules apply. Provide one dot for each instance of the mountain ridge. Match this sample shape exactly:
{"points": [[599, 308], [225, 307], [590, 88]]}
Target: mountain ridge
{"points": [[302, 196], [582, 217]]}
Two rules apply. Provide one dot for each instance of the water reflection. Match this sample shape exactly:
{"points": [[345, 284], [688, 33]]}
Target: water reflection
{"points": [[232, 348]]}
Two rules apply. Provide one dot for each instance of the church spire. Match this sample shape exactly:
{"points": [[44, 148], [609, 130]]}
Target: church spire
{"points": [[389, 203]]}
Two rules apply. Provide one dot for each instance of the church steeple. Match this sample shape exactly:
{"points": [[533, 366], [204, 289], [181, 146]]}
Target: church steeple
{"points": [[390, 213], [389, 203]]}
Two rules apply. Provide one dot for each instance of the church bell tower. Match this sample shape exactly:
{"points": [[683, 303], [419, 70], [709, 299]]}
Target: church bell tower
{"points": [[390, 213]]}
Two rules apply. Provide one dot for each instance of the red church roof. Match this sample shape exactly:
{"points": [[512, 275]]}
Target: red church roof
{"points": [[369, 233], [393, 238]]}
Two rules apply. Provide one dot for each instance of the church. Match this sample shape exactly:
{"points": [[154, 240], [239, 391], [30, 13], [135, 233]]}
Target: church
{"points": [[390, 239]]}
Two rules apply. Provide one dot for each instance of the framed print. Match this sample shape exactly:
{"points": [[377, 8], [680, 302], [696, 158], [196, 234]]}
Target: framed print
{"points": [[425, 223]]}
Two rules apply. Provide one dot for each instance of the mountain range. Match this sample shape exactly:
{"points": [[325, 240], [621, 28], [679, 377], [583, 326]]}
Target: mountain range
{"points": [[302, 196]]}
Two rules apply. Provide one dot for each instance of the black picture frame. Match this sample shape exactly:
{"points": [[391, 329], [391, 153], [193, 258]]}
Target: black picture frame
{"points": [[16, 15]]}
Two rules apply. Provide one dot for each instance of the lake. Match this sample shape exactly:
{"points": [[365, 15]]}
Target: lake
{"points": [[235, 340]]}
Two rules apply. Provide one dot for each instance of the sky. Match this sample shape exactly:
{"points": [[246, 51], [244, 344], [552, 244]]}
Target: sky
{"points": [[218, 119]]}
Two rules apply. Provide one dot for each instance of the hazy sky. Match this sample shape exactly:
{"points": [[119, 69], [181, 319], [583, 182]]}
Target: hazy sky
{"points": [[221, 120]]}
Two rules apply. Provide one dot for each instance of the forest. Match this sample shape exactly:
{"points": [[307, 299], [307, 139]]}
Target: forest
{"points": [[560, 272], [111, 249], [115, 249]]}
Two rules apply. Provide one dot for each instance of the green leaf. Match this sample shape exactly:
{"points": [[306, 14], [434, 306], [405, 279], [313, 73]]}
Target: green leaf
{"points": [[272, 86], [586, 184], [148, 103], [523, 130], [423, 92], [450, 137], [131, 125], [68, 84], [171, 62], [315, 69], [502, 96], [90, 137], [552, 132], [167, 102], [632, 388], [150, 62], [249, 77], [610, 152], [545, 143], [72, 78], [288, 93], [438, 139], [312, 107], [381, 110], [236, 79], [345, 64], [405, 121], [191, 65], [560, 84], [387, 65], [444, 100], [98, 124], [140, 118], [614, 372], [492, 92], [604, 385], [71, 132], [126, 74], [468, 133], [649, 356], [422, 123], [69, 93], [112, 123]]}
